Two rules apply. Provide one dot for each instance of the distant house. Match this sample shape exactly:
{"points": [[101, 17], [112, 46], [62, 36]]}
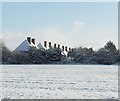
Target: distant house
{"points": [[40, 46], [28, 43]]}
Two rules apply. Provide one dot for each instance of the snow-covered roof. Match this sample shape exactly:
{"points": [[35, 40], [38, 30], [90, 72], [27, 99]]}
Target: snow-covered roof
{"points": [[24, 46], [64, 53], [40, 46]]}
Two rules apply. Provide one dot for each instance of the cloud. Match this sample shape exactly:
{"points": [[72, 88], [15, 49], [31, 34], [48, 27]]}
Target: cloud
{"points": [[77, 25], [90, 37], [58, 35], [13, 39], [53, 34]]}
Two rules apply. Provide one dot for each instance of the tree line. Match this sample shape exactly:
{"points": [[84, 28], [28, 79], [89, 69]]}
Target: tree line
{"points": [[108, 54]]}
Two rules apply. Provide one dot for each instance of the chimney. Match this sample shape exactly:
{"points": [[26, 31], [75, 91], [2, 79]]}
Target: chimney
{"points": [[54, 45], [33, 41], [69, 49], [58, 45], [63, 48], [29, 40], [66, 48], [49, 44], [45, 44]]}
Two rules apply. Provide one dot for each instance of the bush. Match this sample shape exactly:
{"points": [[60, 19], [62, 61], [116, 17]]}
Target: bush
{"points": [[103, 57], [53, 54], [37, 56], [80, 54], [106, 55], [110, 47]]}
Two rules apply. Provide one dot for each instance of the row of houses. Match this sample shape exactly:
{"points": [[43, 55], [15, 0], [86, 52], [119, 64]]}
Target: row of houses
{"points": [[29, 42]]}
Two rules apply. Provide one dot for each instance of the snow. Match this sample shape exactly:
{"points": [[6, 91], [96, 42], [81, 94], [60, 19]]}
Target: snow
{"points": [[64, 52], [33, 45], [59, 82], [24, 46], [40, 46]]}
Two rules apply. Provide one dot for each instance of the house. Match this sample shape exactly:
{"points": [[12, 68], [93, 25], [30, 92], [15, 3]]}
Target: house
{"points": [[26, 45], [29, 43]]}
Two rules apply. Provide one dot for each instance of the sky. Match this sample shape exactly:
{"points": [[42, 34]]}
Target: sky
{"points": [[87, 24]]}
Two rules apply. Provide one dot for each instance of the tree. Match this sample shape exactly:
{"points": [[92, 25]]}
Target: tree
{"points": [[6, 55], [110, 46], [53, 54], [103, 56], [80, 54], [37, 56]]}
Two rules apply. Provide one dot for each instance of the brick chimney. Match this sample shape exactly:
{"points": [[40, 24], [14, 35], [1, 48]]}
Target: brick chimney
{"points": [[45, 44], [29, 40], [63, 48], [49, 44], [69, 49], [54, 45], [58, 45], [33, 41], [66, 48]]}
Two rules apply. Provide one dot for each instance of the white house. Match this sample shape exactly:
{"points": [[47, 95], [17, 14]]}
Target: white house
{"points": [[40, 46], [26, 44]]}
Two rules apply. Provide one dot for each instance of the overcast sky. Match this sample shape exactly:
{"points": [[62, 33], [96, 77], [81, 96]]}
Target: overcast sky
{"points": [[87, 24]]}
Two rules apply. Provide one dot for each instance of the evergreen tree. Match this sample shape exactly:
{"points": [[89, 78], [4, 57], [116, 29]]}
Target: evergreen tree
{"points": [[110, 46]]}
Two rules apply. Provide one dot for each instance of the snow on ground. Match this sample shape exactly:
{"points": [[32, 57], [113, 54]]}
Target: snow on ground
{"points": [[59, 82]]}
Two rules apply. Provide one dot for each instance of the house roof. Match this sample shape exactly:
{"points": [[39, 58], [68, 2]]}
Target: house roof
{"points": [[24, 46], [64, 53], [40, 46]]}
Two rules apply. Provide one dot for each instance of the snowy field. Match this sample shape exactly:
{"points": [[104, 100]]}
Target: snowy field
{"points": [[59, 82]]}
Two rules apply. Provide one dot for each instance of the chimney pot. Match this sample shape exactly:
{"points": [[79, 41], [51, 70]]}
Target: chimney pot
{"points": [[54, 45], [69, 49], [49, 44], [33, 41], [45, 44], [63, 48], [29, 40], [58, 45], [66, 48]]}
